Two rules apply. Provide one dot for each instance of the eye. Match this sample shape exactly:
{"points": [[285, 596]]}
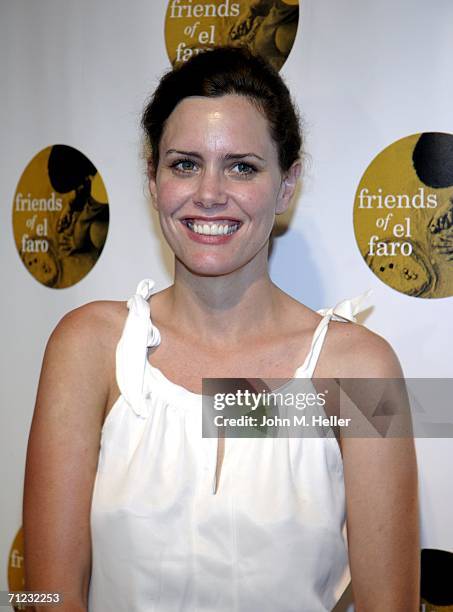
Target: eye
{"points": [[184, 166], [243, 169]]}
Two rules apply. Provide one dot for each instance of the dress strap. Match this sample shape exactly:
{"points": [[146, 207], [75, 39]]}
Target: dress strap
{"points": [[139, 333], [344, 311]]}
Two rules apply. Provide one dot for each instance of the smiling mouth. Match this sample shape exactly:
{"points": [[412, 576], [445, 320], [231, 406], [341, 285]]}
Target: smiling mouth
{"points": [[211, 228]]}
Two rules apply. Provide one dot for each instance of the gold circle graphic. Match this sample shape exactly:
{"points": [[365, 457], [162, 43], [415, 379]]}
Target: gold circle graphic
{"points": [[16, 573], [60, 216], [403, 215], [267, 27]]}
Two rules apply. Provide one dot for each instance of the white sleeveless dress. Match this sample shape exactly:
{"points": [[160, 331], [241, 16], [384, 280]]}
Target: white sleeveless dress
{"points": [[271, 537]]}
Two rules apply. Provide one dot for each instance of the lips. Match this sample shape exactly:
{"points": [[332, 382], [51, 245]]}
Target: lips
{"points": [[219, 226]]}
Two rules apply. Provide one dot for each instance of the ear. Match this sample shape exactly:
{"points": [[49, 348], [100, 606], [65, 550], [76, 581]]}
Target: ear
{"points": [[152, 183], [288, 187]]}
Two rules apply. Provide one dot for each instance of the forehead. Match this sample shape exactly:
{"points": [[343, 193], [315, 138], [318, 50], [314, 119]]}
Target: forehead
{"points": [[228, 122]]}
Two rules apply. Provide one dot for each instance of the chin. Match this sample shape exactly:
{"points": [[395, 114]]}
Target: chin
{"points": [[209, 268]]}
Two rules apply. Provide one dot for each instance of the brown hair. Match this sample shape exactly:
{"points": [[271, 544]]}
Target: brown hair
{"points": [[222, 71]]}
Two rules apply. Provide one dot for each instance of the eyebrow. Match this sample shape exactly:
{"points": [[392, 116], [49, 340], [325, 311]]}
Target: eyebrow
{"points": [[242, 155], [188, 153], [229, 156]]}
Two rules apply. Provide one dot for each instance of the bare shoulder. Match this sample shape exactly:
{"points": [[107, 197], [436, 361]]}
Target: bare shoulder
{"points": [[354, 351], [79, 360], [350, 350], [94, 325], [75, 384]]}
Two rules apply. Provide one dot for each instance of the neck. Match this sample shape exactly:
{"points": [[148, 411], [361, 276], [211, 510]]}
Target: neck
{"points": [[222, 310]]}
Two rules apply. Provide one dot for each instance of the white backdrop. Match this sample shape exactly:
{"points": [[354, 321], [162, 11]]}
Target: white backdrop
{"points": [[364, 74]]}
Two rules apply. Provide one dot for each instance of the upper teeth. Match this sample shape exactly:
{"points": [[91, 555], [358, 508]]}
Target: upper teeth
{"points": [[212, 229]]}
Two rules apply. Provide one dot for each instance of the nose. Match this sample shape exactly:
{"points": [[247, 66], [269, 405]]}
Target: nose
{"points": [[210, 189]]}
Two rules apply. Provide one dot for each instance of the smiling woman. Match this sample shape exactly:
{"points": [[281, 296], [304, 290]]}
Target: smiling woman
{"points": [[218, 182], [127, 506]]}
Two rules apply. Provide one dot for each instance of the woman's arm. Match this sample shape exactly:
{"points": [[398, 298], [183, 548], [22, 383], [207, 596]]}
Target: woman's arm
{"points": [[62, 457], [381, 501]]}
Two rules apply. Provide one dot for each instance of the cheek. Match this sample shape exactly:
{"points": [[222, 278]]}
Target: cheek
{"points": [[169, 193], [258, 200]]}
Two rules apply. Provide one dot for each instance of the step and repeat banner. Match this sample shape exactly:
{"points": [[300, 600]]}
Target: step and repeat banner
{"points": [[374, 209]]}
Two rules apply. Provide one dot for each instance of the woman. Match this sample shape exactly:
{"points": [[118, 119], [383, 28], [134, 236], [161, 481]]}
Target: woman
{"points": [[181, 522]]}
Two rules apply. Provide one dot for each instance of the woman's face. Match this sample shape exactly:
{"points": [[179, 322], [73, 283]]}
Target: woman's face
{"points": [[218, 184]]}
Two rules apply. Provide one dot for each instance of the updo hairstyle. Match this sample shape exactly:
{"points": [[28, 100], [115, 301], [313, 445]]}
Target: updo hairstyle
{"points": [[222, 71]]}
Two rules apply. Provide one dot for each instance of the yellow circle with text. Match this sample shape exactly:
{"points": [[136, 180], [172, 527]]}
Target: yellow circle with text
{"points": [[268, 28], [60, 216], [16, 573], [403, 215]]}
